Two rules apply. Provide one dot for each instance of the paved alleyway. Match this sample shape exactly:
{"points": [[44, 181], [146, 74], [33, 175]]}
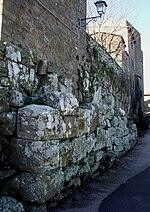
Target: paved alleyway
{"points": [[132, 196], [90, 198]]}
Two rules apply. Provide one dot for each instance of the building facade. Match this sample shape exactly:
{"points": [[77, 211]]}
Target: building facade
{"points": [[123, 42]]}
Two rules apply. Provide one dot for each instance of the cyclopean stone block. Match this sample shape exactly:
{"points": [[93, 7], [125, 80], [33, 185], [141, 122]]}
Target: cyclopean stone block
{"points": [[81, 146], [36, 188], [22, 78], [70, 124], [44, 123], [65, 102], [87, 119], [38, 122], [35, 156]]}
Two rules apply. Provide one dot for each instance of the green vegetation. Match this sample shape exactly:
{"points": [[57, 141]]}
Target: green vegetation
{"points": [[97, 73], [95, 53], [30, 100]]}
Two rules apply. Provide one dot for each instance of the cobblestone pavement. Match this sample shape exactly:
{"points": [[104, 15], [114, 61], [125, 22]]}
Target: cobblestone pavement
{"points": [[89, 197]]}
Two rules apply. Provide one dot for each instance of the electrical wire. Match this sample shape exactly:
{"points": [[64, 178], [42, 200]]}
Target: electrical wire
{"points": [[56, 17]]}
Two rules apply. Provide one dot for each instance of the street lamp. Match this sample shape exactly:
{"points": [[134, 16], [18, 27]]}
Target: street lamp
{"points": [[101, 8]]}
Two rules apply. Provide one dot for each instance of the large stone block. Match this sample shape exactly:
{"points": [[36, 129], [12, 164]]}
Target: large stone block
{"points": [[8, 123], [40, 122], [22, 77], [65, 102], [71, 126], [87, 119], [36, 188], [81, 146], [35, 156]]}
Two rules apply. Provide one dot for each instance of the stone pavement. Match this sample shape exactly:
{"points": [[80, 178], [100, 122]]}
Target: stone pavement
{"points": [[90, 197], [132, 196]]}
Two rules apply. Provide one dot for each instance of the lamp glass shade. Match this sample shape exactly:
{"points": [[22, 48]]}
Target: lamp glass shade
{"points": [[101, 7]]}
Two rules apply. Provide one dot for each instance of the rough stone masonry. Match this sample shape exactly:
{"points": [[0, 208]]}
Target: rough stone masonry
{"points": [[52, 140]]}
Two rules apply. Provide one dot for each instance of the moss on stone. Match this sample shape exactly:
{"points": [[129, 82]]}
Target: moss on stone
{"points": [[30, 100], [95, 53]]}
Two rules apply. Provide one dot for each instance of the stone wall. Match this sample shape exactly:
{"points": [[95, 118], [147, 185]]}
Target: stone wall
{"points": [[52, 141], [47, 27]]}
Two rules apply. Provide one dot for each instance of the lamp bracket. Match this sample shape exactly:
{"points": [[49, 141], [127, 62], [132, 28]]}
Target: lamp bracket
{"points": [[84, 21]]}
